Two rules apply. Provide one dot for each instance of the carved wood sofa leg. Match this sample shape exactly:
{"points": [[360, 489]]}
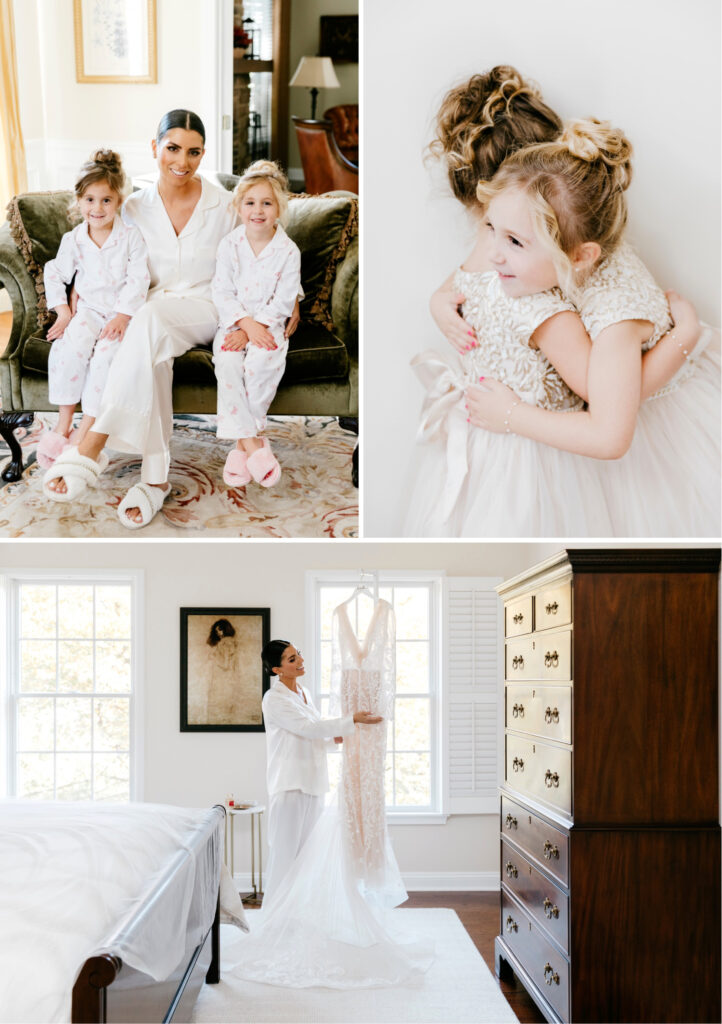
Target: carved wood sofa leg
{"points": [[9, 423]]}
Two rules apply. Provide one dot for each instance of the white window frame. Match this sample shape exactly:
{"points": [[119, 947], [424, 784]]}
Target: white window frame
{"points": [[10, 580], [315, 578]]}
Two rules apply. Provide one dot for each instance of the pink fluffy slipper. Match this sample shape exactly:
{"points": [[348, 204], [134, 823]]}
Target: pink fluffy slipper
{"points": [[51, 444], [235, 471], [263, 466]]}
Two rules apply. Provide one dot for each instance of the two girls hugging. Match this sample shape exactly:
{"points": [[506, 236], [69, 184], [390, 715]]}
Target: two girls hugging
{"points": [[580, 400], [179, 263]]}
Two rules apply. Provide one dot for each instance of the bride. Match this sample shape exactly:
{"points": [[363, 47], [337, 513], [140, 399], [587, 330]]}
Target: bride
{"points": [[332, 876]]}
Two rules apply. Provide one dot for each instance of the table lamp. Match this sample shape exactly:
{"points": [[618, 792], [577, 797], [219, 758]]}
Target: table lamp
{"points": [[315, 73]]}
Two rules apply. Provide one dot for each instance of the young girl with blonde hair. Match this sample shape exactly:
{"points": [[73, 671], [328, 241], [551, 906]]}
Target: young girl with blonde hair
{"points": [[257, 281]]}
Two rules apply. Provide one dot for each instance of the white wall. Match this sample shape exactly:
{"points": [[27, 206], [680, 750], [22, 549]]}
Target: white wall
{"points": [[197, 769], [651, 66]]}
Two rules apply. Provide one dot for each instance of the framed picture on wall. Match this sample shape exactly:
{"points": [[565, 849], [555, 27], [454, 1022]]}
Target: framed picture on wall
{"points": [[339, 38], [222, 680], [115, 41]]}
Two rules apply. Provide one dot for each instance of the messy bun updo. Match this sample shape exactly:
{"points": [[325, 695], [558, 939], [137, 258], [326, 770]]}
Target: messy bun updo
{"points": [[273, 175], [104, 165], [576, 190], [485, 119]]}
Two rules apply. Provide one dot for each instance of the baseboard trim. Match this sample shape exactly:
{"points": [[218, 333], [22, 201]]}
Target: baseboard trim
{"points": [[422, 881]]}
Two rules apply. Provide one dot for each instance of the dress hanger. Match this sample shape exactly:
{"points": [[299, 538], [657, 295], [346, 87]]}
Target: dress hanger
{"points": [[362, 587]]}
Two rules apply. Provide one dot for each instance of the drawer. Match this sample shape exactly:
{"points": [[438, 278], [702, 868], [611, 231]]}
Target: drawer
{"points": [[541, 710], [522, 660], [541, 842], [554, 655], [545, 965], [553, 606], [518, 616], [542, 771], [547, 904]]}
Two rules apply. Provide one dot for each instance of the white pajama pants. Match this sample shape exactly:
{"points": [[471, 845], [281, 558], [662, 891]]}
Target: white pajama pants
{"points": [[247, 382], [291, 817], [79, 363], [137, 407]]}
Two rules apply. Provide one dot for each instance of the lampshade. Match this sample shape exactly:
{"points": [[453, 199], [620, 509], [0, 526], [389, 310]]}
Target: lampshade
{"points": [[316, 73]]}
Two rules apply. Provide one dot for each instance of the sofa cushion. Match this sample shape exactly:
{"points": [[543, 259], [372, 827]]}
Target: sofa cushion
{"points": [[38, 220]]}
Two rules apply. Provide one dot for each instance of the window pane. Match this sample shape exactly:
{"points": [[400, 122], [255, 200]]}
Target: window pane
{"points": [[329, 599], [412, 730], [412, 613], [365, 609], [111, 778], [412, 667], [37, 610], [72, 779], [37, 665], [389, 780], [35, 776], [75, 666], [35, 723], [326, 655], [75, 611], [73, 724], [112, 724], [112, 666], [112, 612], [413, 780]]}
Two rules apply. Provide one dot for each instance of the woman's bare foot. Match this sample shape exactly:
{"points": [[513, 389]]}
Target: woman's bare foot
{"points": [[91, 446], [134, 514]]}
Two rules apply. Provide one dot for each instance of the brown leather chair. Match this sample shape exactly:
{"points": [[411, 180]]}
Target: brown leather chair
{"points": [[344, 119], [325, 168]]}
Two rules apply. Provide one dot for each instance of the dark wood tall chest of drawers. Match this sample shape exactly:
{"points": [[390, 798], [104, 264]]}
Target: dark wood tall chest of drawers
{"points": [[610, 837]]}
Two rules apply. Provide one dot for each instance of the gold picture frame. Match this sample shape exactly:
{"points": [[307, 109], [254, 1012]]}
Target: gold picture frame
{"points": [[115, 41]]}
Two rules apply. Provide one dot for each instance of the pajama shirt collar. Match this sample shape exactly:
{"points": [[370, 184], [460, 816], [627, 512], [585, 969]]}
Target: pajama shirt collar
{"points": [[279, 240], [118, 231]]}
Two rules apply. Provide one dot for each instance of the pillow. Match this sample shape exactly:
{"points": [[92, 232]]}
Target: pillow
{"points": [[323, 228], [38, 220]]}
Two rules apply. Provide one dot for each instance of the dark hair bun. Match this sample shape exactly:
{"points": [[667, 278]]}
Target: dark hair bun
{"points": [[108, 160]]}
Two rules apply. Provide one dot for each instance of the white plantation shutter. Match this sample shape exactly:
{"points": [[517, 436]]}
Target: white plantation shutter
{"points": [[472, 621]]}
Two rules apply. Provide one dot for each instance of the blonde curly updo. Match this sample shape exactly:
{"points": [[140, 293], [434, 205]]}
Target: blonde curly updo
{"points": [[576, 190], [269, 172], [104, 165], [485, 119]]}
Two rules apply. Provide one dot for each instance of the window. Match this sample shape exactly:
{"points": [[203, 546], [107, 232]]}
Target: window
{"points": [[413, 777], [72, 711]]}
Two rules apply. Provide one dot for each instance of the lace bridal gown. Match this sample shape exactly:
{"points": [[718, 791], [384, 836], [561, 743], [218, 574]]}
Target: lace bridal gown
{"points": [[329, 923]]}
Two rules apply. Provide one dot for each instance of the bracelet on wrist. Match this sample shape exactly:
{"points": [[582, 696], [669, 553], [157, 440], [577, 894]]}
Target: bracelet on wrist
{"points": [[679, 344], [508, 415]]}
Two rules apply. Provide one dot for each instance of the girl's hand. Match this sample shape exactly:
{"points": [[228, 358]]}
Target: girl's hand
{"points": [[489, 405], [444, 306], [293, 320], [234, 341], [258, 334], [58, 328], [115, 328], [366, 718], [687, 327]]}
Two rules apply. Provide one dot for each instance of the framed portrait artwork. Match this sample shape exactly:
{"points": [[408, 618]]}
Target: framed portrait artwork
{"points": [[115, 41], [339, 38], [222, 679]]}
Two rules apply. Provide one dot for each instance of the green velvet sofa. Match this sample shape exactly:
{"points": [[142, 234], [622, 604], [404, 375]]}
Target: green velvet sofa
{"points": [[321, 377]]}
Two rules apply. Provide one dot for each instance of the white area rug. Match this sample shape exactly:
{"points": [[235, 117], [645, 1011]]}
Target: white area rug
{"points": [[457, 987]]}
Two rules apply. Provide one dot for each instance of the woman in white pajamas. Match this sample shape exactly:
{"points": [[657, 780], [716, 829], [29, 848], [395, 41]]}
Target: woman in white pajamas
{"points": [[257, 280], [297, 740], [109, 262]]}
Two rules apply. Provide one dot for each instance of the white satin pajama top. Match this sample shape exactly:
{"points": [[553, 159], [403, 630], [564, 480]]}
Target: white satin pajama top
{"points": [[110, 279], [296, 741], [182, 265]]}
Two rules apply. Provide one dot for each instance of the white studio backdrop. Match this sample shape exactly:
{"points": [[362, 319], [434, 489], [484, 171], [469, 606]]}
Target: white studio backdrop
{"points": [[650, 67]]}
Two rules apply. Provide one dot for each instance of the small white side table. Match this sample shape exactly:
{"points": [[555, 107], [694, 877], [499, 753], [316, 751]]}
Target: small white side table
{"points": [[252, 811]]}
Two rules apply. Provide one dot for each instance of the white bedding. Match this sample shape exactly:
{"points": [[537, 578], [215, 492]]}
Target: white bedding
{"points": [[72, 874]]}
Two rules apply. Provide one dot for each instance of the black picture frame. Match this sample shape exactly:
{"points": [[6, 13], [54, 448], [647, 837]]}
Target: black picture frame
{"points": [[222, 684], [339, 38]]}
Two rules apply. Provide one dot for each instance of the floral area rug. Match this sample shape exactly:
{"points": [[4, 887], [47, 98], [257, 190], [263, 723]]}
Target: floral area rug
{"points": [[315, 496]]}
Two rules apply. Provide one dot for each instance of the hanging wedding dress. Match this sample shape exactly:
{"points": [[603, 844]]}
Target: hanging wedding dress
{"points": [[329, 923]]}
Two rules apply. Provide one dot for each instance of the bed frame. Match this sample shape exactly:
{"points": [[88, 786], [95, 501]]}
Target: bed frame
{"points": [[108, 991]]}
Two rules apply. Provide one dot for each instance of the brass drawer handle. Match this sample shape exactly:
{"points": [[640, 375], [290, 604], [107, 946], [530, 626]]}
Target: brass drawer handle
{"points": [[511, 925], [550, 909], [550, 851], [518, 711], [519, 617], [511, 870], [551, 715], [510, 822], [517, 661], [551, 779], [518, 764], [550, 975], [552, 609], [551, 659]]}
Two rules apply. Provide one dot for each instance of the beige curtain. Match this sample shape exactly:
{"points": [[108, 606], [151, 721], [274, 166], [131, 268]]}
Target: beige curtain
{"points": [[13, 178]]}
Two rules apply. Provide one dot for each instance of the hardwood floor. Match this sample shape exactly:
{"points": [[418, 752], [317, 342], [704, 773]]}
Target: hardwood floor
{"points": [[479, 913]]}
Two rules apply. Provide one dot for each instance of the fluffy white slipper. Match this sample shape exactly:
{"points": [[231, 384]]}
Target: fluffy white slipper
{"points": [[78, 471], [147, 498]]}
